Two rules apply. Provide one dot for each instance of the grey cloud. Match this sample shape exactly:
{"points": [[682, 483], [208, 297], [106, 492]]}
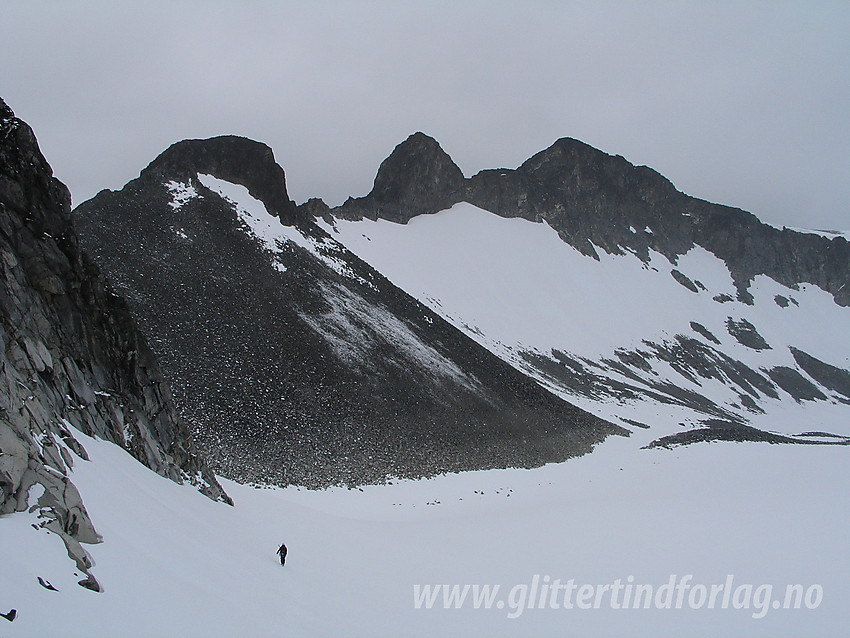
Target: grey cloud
{"points": [[739, 103]]}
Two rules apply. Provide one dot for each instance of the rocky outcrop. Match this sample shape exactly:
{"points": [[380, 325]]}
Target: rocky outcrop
{"points": [[836, 379], [589, 197], [597, 201], [232, 158], [418, 177], [71, 359], [746, 334]]}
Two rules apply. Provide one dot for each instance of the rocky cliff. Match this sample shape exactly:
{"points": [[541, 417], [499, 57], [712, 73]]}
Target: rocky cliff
{"points": [[232, 158], [71, 359], [598, 201], [418, 177]]}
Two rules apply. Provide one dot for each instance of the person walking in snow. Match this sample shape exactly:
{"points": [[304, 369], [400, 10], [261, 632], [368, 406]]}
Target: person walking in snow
{"points": [[282, 553]]}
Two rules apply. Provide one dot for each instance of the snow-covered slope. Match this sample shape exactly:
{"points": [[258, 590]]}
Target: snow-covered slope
{"points": [[176, 564], [318, 366], [656, 334]]}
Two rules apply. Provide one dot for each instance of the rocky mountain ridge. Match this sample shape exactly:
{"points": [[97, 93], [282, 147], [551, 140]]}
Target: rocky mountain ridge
{"points": [[725, 279], [71, 359], [236, 159], [597, 201], [293, 360]]}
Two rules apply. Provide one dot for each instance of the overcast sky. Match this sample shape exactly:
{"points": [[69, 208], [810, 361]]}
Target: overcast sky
{"points": [[746, 104]]}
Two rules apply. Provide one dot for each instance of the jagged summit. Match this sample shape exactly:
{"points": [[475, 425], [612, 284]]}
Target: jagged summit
{"points": [[596, 201], [26, 180], [5, 111], [232, 158], [418, 177], [571, 163]]}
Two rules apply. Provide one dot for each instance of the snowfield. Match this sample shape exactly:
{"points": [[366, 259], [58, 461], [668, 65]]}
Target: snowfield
{"points": [[710, 539], [174, 563], [518, 289], [515, 287], [519, 284]]}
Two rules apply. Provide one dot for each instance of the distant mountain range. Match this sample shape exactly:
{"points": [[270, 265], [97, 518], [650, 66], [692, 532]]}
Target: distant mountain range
{"points": [[603, 282], [601, 203]]}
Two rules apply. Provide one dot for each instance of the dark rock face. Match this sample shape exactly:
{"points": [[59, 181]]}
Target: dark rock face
{"points": [[598, 201], [720, 430], [418, 177], [70, 357], [746, 334], [584, 194], [795, 384], [684, 280], [828, 376], [315, 208], [304, 365], [235, 159], [631, 375], [705, 332]]}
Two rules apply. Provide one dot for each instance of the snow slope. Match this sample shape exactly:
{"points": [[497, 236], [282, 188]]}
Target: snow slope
{"points": [[522, 292], [268, 229], [764, 516], [174, 563]]}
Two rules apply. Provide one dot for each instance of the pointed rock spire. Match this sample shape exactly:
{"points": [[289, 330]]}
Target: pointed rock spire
{"points": [[417, 178]]}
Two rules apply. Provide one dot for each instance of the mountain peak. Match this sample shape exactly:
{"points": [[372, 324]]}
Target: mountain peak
{"points": [[5, 111], [418, 170], [232, 158], [418, 177], [596, 201], [420, 138], [593, 168]]}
